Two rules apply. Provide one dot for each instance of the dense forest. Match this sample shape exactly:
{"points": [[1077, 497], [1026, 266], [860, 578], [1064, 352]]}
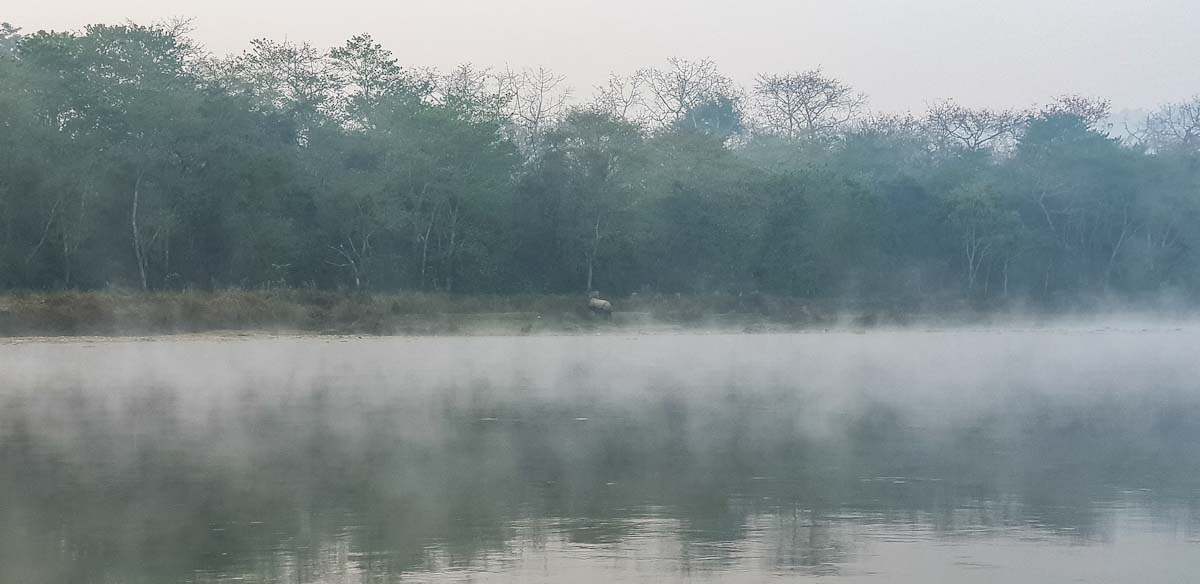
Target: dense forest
{"points": [[130, 157]]}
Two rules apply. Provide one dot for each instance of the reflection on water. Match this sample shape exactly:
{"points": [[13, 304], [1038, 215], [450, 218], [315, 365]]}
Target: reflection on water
{"points": [[1049, 456]]}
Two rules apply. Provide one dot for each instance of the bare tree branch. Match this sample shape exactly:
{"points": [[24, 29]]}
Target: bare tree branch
{"points": [[805, 104], [973, 130], [671, 92]]}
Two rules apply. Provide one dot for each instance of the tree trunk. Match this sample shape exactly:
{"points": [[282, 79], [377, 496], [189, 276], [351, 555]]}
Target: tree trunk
{"points": [[972, 253], [449, 267], [70, 240], [425, 249], [137, 239], [591, 258], [66, 262], [45, 232], [1005, 289], [1116, 249]]}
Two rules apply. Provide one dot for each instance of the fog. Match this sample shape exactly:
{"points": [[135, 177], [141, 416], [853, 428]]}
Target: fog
{"points": [[823, 291], [1139, 54], [896, 456], [315, 168]]}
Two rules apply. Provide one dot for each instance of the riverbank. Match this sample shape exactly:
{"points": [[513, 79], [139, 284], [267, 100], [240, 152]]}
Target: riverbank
{"points": [[122, 313], [128, 313]]}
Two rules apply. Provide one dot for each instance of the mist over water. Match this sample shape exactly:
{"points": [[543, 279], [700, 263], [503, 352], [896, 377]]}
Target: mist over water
{"points": [[990, 455]]}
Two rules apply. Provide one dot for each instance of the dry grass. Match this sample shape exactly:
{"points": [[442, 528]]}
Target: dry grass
{"points": [[116, 312]]}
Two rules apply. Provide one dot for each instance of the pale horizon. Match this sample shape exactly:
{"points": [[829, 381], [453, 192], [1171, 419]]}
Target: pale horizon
{"points": [[902, 57]]}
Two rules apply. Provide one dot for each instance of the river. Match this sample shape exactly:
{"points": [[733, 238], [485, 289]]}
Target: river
{"points": [[1058, 454]]}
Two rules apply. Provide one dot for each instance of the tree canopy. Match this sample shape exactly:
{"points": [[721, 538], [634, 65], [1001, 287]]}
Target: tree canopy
{"points": [[131, 157]]}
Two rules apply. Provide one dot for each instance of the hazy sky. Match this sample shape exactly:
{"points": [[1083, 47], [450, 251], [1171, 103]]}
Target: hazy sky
{"points": [[903, 54]]}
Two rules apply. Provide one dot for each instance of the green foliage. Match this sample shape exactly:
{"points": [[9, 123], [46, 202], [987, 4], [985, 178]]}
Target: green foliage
{"points": [[10, 36], [129, 158]]}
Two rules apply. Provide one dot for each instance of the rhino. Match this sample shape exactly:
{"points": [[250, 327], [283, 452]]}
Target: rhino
{"points": [[599, 306]]}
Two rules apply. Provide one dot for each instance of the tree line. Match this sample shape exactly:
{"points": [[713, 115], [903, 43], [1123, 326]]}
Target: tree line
{"points": [[131, 157]]}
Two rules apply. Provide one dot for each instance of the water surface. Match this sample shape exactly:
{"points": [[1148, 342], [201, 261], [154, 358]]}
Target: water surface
{"points": [[1064, 455]]}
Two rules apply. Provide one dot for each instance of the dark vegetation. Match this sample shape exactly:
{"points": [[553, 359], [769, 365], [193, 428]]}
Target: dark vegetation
{"points": [[124, 312], [130, 159]]}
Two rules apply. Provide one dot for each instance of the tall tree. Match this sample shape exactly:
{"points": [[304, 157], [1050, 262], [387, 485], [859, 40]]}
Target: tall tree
{"points": [[296, 79], [621, 97], [370, 74], [9, 37], [682, 87], [1175, 126], [973, 129], [538, 98], [806, 104], [983, 227], [579, 197]]}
